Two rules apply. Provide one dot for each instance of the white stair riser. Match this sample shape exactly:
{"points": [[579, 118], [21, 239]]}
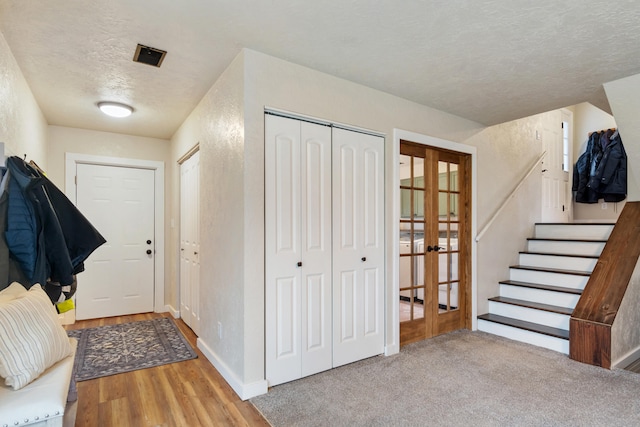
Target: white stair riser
{"points": [[560, 299], [565, 247], [550, 261], [582, 231], [555, 320], [540, 340], [547, 278]]}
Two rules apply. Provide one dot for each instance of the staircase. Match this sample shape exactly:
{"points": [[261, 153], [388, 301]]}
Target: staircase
{"points": [[535, 304]]}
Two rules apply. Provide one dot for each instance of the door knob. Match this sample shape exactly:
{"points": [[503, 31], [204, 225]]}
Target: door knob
{"points": [[299, 264], [148, 251], [148, 242], [433, 248], [364, 258]]}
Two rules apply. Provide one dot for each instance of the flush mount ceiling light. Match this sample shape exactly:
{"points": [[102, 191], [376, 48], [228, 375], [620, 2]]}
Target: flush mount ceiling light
{"points": [[115, 109]]}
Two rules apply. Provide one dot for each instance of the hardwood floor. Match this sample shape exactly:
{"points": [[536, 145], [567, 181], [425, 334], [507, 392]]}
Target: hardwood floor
{"points": [[190, 393]]}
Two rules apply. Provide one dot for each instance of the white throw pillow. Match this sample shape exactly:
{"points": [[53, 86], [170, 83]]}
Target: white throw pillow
{"points": [[10, 292], [31, 337]]}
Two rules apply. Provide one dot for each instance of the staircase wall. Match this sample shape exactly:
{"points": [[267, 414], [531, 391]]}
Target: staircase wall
{"points": [[624, 99], [625, 331], [507, 152], [499, 247]]}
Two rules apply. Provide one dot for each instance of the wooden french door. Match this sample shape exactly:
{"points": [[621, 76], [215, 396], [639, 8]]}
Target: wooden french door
{"points": [[435, 253]]}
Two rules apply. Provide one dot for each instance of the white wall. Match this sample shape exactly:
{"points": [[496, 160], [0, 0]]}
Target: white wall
{"points": [[62, 140], [229, 125], [506, 152], [586, 119], [23, 128], [217, 125], [625, 334], [279, 84], [624, 98]]}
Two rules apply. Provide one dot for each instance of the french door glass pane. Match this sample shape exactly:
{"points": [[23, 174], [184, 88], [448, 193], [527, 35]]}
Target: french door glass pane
{"points": [[418, 172]]}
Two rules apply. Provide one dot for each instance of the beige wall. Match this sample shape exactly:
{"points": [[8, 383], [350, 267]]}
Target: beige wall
{"points": [[216, 125], [23, 128], [625, 333], [624, 98], [64, 140], [506, 152], [229, 125]]}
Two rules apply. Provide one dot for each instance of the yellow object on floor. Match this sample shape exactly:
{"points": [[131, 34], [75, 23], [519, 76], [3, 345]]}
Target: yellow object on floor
{"points": [[65, 306]]}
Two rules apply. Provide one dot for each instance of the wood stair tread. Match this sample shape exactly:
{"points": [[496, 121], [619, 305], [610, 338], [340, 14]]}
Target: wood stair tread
{"points": [[534, 305], [552, 270], [559, 254], [575, 223], [528, 326], [542, 287]]}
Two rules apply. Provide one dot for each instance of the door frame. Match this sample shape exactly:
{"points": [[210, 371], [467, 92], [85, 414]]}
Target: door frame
{"points": [[72, 159], [392, 305]]}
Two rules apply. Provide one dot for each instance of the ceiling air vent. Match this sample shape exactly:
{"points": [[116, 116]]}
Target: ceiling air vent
{"points": [[149, 55]]}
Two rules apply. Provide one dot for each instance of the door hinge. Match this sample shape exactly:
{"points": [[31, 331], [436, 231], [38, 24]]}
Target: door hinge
{"points": [[75, 180]]}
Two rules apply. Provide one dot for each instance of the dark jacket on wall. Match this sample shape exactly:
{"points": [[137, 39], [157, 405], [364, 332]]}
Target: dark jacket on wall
{"points": [[610, 176], [43, 225], [601, 171], [581, 171]]}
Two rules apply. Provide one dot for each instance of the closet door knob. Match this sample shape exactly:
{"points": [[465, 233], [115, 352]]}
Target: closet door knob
{"points": [[148, 242], [364, 258], [148, 251], [299, 264]]}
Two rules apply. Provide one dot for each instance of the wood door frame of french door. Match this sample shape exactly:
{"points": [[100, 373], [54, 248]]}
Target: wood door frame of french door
{"points": [[73, 159], [393, 345]]}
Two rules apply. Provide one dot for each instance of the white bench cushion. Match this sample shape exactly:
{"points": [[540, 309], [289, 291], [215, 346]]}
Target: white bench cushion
{"points": [[43, 401]]}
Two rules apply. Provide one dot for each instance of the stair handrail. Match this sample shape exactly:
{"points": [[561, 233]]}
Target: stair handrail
{"points": [[509, 197]]}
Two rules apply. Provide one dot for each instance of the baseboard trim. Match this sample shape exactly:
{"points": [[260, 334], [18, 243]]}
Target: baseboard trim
{"points": [[175, 313], [390, 350], [627, 359], [244, 391]]}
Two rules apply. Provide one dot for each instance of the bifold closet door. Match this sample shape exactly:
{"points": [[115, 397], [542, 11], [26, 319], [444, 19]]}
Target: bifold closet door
{"points": [[297, 249], [358, 246]]}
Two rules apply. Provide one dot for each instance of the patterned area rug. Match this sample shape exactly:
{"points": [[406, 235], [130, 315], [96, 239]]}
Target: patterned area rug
{"points": [[110, 350]]}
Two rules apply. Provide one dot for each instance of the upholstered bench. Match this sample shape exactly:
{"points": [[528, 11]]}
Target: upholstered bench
{"points": [[36, 361], [42, 402]]}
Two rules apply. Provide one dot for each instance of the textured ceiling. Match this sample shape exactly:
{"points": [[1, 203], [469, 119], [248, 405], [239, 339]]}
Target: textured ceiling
{"points": [[489, 61]]}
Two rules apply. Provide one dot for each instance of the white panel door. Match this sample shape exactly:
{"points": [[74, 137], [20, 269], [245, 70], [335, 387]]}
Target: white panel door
{"points": [[554, 182], [315, 222], [298, 248], [119, 276], [190, 241], [358, 246]]}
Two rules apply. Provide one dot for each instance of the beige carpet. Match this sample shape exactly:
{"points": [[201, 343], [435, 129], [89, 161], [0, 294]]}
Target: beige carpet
{"points": [[463, 378]]}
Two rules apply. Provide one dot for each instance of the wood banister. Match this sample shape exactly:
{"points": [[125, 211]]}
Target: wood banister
{"points": [[591, 321]]}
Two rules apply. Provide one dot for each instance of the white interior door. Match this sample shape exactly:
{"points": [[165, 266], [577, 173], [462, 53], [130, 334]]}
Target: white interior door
{"points": [[554, 178], [190, 241], [119, 276], [358, 246], [297, 248]]}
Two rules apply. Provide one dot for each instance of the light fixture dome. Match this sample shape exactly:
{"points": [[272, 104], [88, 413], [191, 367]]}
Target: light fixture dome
{"points": [[115, 109]]}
